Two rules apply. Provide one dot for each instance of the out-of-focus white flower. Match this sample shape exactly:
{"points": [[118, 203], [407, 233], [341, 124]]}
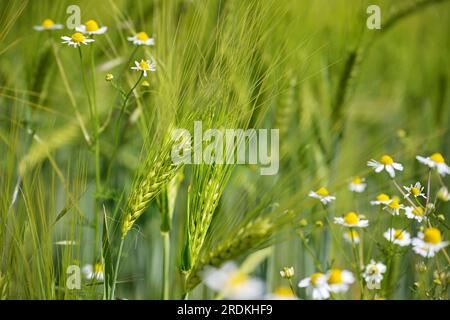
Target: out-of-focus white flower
{"points": [[339, 280], [394, 207], [232, 283], [435, 161], [93, 272], [416, 213], [76, 39], [144, 66], [323, 195], [352, 219], [357, 185], [428, 243], [287, 272], [416, 190], [351, 236], [443, 194], [48, 24], [316, 285], [91, 27], [381, 199], [373, 273], [397, 236], [141, 39], [386, 163]]}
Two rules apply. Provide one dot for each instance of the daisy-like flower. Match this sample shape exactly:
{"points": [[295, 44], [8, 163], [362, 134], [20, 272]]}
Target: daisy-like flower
{"points": [[397, 236], [281, 293], [141, 39], [352, 219], [415, 213], [357, 185], [48, 24], [232, 283], [351, 236], [394, 207], [339, 280], [322, 194], [416, 190], [287, 272], [429, 242], [443, 194], [373, 274], [144, 66], [76, 39], [435, 161], [91, 27], [381, 199], [386, 163], [92, 272], [316, 286]]}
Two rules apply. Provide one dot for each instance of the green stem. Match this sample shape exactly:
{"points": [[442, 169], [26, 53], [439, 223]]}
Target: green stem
{"points": [[166, 265], [116, 269]]}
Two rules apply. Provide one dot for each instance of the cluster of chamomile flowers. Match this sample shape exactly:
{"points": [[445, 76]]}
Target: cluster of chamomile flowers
{"points": [[85, 33]]}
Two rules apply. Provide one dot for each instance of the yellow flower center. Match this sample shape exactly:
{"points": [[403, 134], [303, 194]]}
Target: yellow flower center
{"points": [[394, 204], [432, 235], [386, 160], [322, 192], [415, 191], [398, 234], [237, 278], [383, 197], [353, 234], [144, 65], [335, 276], [48, 23], [142, 36], [91, 26], [283, 292], [418, 211], [351, 218], [357, 180], [78, 37], [372, 269], [437, 157], [315, 278], [98, 268]]}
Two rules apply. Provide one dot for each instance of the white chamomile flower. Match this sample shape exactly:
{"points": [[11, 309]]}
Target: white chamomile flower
{"points": [[91, 27], [357, 185], [322, 194], [443, 194], [352, 219], [339, 280], [416, 213], [93, 272], [141, 39], [381, 199], [281, 293], [416, 190], [76, 39], [428, 243], [351, 236], [232, 283], [144, 66], [317, 286], [48, 24], [394, 207], [386, 163], [398, 236], [435, 161], [373, 274]]}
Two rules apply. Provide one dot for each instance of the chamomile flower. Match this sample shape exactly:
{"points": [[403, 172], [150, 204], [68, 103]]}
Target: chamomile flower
{"points": [[92, 272], [91, 27], [386, 163], [351, 236], [398, 236], [76, 39], [232, 283], [281, 293], [373, 273], [141, 39], [381, 199], [352, 219], [443, 194], [339, 280], [357, 185], [316, 286], [394, 207], [435, 161], [287, 272], [48, 24], [144, 66], [322, 194], [428, 243], [416, 190], [416, 213]]}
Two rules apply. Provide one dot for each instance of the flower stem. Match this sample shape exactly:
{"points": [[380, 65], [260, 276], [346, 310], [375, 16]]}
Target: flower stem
{"points": [[116, 269], [166, 262]]}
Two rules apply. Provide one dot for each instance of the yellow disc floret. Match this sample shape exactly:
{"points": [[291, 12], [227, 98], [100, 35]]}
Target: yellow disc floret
{"points": [[335, 276], [351, 218], [386, 160], [357, 180], [144, 65], [418, 211], [91, 26], [383, 197], [394, 204], [437, 157], [432, 235], [283, 292], [237, 278], [142, 36], [322, 192], [398, 234], [78, 37], [48, 23], [315, 278]]}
